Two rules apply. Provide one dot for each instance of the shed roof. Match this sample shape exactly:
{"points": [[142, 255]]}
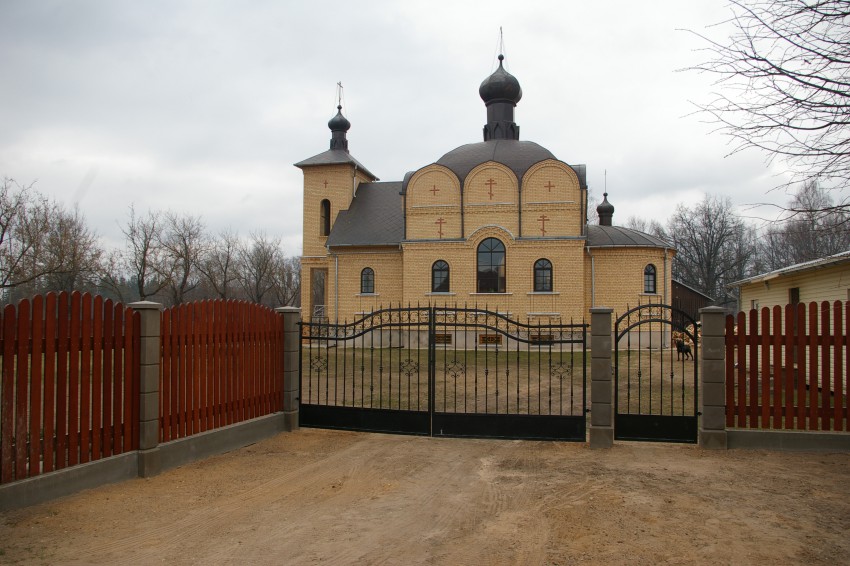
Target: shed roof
{"points": [[828, 261]]}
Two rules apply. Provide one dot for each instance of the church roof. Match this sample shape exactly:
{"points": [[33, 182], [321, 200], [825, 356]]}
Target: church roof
{"points": [[375, 217], [519, 156], [334, 157], [617, 236]]}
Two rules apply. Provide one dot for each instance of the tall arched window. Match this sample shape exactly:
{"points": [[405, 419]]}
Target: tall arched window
{"points": [[367, 280], [440, 277], [542, 276], [649, 279], [491, 266], [325, 218]]}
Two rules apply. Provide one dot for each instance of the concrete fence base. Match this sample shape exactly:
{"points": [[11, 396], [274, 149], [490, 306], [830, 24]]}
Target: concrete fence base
{"points": [[128, 466]]}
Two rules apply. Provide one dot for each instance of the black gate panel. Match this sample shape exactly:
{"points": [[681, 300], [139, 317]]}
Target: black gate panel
{"points": [[445, 372], [367, 420], [656, 375], [525, 427]]}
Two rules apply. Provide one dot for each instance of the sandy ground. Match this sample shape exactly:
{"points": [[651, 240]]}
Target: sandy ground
{"points": [[353, 498]]}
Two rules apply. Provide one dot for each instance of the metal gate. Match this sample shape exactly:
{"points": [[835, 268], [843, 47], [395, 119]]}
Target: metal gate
{"points": [[445, 372], [656, 375]]}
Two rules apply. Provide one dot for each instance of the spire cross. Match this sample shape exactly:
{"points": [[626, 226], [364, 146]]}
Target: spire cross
{"points": [[434, 190], [326, 183], [549, 186], [543, 219], [490, 183], [440, 221]]}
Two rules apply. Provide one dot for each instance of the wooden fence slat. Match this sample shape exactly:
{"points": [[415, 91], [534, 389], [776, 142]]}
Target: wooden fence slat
{"points": [[97, 379], [74, 381], [813, 366], [216, 368], [36, 382], [185, 388], [108, 345], [198, 378], [127, 382], [63, 328], [800, 335], [839, 375], [825, 374], [752, 368], [117, 376], [765, 367], [790, 371], [175, 374], [85, 379], [165, 376], [49, 383], [742, 369], [7, 423], [22, 390], [778, 377]]}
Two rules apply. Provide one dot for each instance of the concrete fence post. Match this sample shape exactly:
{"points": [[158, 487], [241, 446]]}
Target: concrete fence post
{"points": [[712, 373], [149, 457], [601, 382], [291, 374]]}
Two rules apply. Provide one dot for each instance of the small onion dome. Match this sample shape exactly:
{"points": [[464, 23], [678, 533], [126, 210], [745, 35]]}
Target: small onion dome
{"points": [[605, 210], [500, 86], [339, 123]]}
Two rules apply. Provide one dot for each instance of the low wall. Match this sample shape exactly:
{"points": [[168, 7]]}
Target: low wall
{"points": [[126, 466]]}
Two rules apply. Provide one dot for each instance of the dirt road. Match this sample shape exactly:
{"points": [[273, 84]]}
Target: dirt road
{"points": [[316, 497]]}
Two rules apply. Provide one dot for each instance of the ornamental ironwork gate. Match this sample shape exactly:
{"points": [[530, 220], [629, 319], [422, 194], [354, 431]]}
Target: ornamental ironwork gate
{"points": [[656, 375], [445, 372]]}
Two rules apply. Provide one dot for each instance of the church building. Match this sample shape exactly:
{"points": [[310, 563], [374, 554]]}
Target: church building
{"points": [[500, 223]]}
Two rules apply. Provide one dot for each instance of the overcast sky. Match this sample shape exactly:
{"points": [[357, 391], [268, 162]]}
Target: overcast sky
{"points": [[202, 107]]}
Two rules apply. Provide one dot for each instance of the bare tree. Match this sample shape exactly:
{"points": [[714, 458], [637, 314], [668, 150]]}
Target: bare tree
{"points": [[145, 259], [713, 246], [25, 220], [652, 227], [183, 242], [74, 251], [810, 229], [258, 259], [784, 80], [287, 281], [219, 264]]}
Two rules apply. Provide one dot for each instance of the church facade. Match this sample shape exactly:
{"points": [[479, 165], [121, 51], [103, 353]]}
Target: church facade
{"points": [[501, 224]]}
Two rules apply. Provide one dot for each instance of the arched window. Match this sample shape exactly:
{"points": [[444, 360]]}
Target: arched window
{"points": [[367, 280], [491, 266], [440, 277], [325, 218], [649, 279], [542, 276]]}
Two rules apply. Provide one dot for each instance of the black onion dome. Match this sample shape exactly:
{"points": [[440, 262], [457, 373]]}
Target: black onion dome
{"points": [[500, 86], [605, 207], [339, 123]]}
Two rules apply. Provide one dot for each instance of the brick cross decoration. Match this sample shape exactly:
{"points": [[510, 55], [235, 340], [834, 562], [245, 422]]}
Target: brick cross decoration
{"points": [[490, 183], [549, 186], [543, 219], [440, 222], [434, 190], [326, 183]]}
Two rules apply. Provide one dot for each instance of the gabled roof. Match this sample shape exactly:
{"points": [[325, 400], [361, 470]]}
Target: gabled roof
{"points": [[334, 157], [617, 236], [689, 288], [828, 261], [375, 217]]}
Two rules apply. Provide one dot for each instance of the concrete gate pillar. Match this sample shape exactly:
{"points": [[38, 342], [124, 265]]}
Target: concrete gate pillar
{"points": [[291, 377], [712, 374], [149, 457], [601, 379]]}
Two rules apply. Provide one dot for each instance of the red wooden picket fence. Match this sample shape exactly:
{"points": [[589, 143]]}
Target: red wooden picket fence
{"points": [[222, 363], [788, 368], [70, 383]]}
